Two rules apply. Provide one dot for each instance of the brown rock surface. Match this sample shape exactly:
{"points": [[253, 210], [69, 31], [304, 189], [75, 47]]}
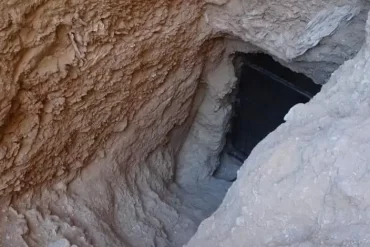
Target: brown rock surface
{"points": [[306, 184], [75, 73], [95, 105]]}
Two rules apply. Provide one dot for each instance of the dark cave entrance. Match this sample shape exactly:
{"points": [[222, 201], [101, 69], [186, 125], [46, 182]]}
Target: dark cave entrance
{"points": [[266, 91]]}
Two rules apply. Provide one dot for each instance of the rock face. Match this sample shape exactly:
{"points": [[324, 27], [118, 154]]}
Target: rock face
{"points": [[319, 63], [317, 195], [199, 155], [286, 29], [101, 106], [77, 73], [290, 29]]}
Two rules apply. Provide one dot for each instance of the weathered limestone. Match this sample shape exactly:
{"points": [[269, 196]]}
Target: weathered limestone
{"points": [[307, 183], [289, 30], [97, 101], [286, 29], [76, 74], [199, 155]]}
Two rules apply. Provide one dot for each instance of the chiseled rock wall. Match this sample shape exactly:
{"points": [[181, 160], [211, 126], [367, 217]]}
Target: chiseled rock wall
{"points": [[285, 29], [74, 74], [307, 183], [111, 84], [289, 30]]}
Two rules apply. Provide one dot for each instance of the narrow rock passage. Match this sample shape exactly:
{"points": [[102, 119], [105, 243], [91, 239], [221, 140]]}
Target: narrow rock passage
{"points": [[265, 93], [114, 119]]}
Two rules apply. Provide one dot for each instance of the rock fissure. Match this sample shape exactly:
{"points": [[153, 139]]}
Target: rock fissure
{"points": [[132, 123]]}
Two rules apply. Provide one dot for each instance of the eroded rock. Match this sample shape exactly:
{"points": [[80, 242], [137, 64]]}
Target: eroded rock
{"points": [[306, 183], [74, 73], [107, 91]]}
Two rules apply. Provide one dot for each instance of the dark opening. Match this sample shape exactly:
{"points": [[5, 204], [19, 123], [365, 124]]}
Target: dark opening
{"points": [[266, 91]]}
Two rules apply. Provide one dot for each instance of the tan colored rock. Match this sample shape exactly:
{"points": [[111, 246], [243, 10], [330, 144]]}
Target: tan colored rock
{"points": [[108, 90], [73, 73], [285, 29], [306, 184]]}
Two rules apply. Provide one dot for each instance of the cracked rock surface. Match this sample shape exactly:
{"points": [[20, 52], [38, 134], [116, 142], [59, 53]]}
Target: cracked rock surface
{"points": [[307, 183], [77, 73], [103, 102]]}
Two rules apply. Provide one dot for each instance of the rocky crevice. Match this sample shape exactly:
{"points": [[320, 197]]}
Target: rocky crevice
{"points": [[113, 116]]}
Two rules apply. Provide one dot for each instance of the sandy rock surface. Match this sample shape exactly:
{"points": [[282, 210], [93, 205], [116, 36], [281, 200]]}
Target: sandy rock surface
{"points": [[77, 73], [285, 29], [307, 183], [97, 105]]}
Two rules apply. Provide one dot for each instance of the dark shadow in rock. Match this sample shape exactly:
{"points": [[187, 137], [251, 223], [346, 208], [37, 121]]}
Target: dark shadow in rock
{"points": [[266, 91]]}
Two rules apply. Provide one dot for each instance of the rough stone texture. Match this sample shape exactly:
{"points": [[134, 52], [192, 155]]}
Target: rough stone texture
{"points": [[75, 73], [285, 29], [289, 30], [199, 155], [307, 183], [107, 90], [320, 62], [110, 205], [106, 207]]}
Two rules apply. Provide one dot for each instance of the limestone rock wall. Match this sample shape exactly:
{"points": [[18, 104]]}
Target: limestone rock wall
{"points": [[199, 155], [311, 37], [307, 183], [104, 90], [81, 78], [285, 29], [74, 74], [332, 51]]}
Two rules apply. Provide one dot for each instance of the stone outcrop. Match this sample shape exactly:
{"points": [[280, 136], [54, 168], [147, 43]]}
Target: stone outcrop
{"points": [[284, 29], [317, 195], [102, 101], [76, 76], [289, 30]]}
